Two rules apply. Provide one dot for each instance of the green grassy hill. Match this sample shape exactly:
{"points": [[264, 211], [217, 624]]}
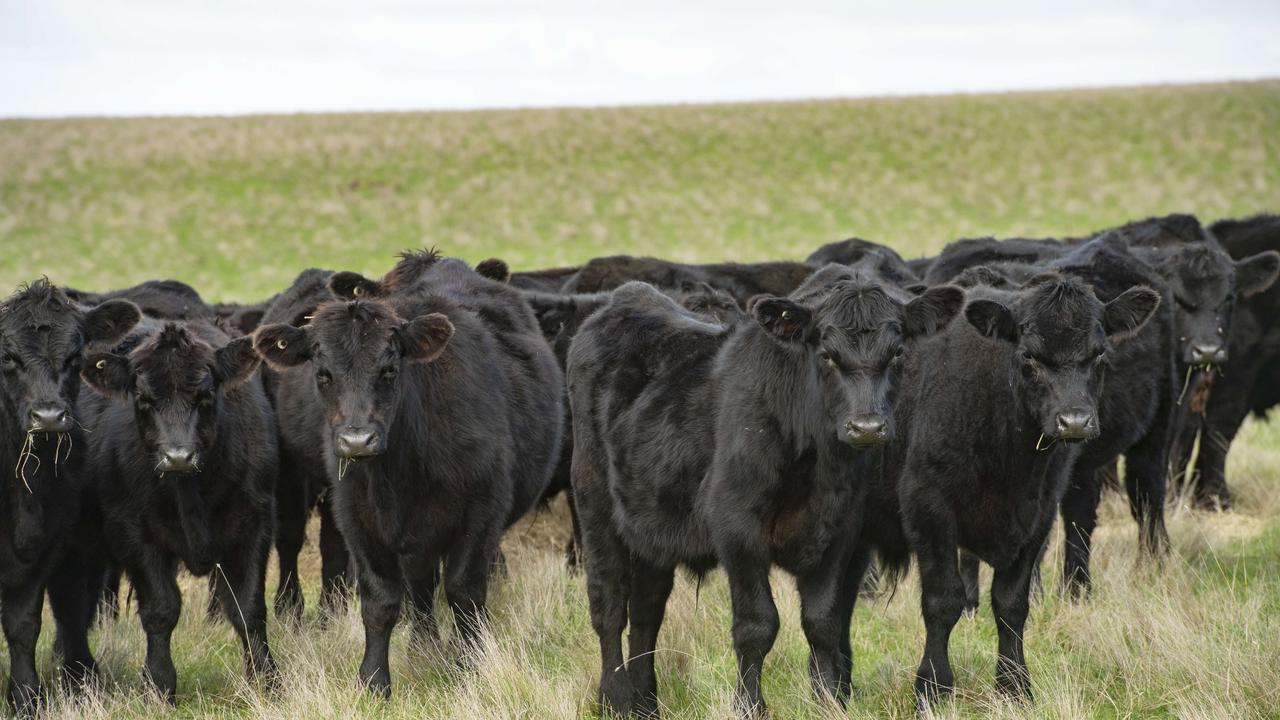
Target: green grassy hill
{"points": [[237, 206]]}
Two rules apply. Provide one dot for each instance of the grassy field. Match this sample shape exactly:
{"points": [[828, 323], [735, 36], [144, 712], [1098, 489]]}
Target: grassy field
{"points": [[237, 206]]}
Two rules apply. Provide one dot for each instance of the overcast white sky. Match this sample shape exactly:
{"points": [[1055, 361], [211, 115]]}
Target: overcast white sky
{"points": [[134, 57]]}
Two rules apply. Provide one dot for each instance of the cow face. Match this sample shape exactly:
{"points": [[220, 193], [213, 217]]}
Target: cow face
{"points": [[175, 383], [1206, 283], [358, 352], [41, 337], [1062, 334], [711, 303], [854, 336]]}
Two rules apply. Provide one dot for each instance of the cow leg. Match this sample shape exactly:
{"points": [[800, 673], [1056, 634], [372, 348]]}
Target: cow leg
{"points": [[1227, 410], [970, 566], [291, 533], [573, 549], [380, 593], [1145, 479], [608, 566], [755, 621], [241, 591], [74, 591], [466, 586], [159, 605], [650, 588], [850, 588], [109, 600], [821, 619], [20, 616], [1079, 518], [1010, 602], [335, 562], [941, 602], [422, 576]]}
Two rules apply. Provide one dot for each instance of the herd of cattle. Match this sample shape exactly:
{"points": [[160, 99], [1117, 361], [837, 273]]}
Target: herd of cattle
{"points": [[834, 417]]}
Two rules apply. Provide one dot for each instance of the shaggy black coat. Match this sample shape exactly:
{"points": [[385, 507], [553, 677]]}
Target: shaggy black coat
{"points": [[886, 261], [43, 451], [1249, 380], [741, 280], [184, 456], [697, 443], [985, 411], [443, 411], [163, 299]]}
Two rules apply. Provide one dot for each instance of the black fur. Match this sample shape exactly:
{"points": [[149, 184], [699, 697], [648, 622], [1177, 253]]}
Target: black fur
{"points": [[696, 442], [741, 280], [444, 379]]}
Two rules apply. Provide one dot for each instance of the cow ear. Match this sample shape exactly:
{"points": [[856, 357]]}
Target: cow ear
{"points": [[354, 286], [785, 319], [1257, 272], [234, 362], [248, 321], [109, 322], [1124, 316], [107, 374], [423, 338], [992, 320], [494, 269], [932, 311], [283, 346]]}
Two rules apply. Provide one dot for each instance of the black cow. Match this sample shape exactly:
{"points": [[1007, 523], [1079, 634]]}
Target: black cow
{"points": [[184, 454], [886, 261], [741, 280], [443, 409], [163, 299], [1250, 377], [696, 442], [43, 449], [989, 412], [303, 484], [560, 316], [551, 280]]}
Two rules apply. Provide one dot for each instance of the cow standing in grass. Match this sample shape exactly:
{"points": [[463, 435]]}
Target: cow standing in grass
{"points": [[990, 411], [43, 453], [443, 408], [184, 457], [697, 443]]}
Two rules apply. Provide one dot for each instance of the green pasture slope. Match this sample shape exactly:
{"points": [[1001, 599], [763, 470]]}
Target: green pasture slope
{"points": [[237, 206]]}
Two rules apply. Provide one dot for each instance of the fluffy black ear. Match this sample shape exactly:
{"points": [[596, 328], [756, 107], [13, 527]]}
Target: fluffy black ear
{"points": [[108, 374], [1125, 315], [353, 286], [248, 321], [1257, 272], [283, 346], [494, 269], [932, 310], [109, 322], [423, 338], [992, 320], [784, 319], [234, 362]]}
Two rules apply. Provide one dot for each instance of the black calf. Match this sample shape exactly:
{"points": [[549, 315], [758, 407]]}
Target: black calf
{"points": [[184, 452], [696, 442], [43, 455], [442, 404]]}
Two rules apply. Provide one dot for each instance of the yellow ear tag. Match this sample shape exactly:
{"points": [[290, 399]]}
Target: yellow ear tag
{"points": [[282, 344], [357, 291], [101, 365], [786, 314]]}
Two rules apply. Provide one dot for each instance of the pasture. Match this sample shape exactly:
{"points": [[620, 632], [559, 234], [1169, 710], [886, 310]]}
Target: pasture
{"points": [[237, 206]]}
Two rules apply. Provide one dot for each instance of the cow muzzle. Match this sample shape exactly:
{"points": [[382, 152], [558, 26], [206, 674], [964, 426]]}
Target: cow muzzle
{"points": [[355, 443]]}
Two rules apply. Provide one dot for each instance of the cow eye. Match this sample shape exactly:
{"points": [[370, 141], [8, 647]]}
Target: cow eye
{"points": [[898, 355], [1189, 307], [827, 360], [10, 362], [205, 400], [389, 372], [323, 378]]}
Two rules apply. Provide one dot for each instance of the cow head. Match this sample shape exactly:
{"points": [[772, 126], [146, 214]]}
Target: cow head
{"points": [[711, 303], [854, 335], [1062, 334], [358, 352], [175, 382], [1206, 283], [42, 335]]}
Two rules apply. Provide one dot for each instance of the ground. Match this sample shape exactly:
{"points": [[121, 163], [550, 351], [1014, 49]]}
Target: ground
{"points": [[237, 206]]}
